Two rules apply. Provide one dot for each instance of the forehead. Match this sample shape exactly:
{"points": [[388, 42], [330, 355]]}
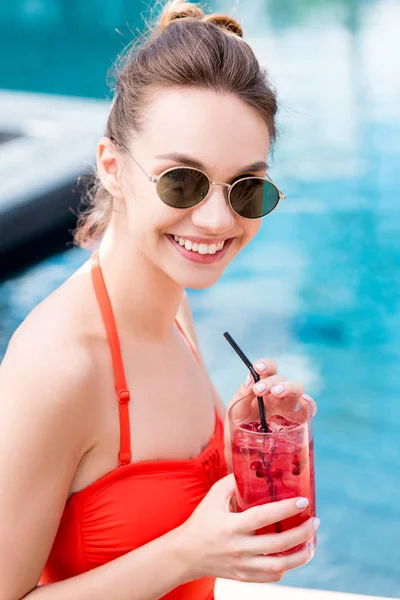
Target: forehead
{"points": [[215, 128]]}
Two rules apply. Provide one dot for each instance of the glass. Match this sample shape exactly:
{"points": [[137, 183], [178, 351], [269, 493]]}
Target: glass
{"points": [[184, 187], [249, 197], [276, 465]]}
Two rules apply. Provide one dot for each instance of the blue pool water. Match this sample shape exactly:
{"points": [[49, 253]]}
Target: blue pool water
{"points": [[318, 290]]}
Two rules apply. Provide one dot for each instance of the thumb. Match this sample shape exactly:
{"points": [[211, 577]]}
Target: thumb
{"points": [[224, 488], [243, 409]]}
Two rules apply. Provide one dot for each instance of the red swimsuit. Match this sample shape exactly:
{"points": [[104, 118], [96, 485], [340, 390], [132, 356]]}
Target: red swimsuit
{"points": [[121, 511]]}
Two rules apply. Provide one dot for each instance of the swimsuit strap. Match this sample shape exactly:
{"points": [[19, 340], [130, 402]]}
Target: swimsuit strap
{"points": [[121, 387], [188, 340], [107, 314]]}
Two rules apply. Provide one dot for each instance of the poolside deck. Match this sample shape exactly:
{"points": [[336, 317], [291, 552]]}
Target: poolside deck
{"points": [[234, 590]]}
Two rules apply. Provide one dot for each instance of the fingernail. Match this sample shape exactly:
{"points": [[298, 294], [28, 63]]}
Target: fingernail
{"points": [[316, 523], [260, 387], [311, 547], [302, 503], [278, 389], [261, 366], [247, 381]]}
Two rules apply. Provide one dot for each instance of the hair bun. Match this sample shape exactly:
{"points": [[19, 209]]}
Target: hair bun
{"points": [[224, 22], [176, 9]]}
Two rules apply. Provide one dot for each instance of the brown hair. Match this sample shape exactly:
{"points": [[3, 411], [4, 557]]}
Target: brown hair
{"points": [[185, 49]]}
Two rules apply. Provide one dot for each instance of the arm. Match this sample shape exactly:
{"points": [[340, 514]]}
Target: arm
{"points": [[45, 430]]}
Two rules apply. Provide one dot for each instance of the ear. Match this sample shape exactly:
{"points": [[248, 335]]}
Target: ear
{"points": [[108, 167]]}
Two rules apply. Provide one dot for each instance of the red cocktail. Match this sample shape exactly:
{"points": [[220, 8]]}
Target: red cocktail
{"points": [[276, 465]]}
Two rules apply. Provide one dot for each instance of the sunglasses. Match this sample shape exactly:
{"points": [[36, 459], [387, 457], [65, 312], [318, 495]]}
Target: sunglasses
{"points": [[185, 187]]}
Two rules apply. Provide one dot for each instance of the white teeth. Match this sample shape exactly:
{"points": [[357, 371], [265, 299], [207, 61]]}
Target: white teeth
{"points": [[200, 248]]}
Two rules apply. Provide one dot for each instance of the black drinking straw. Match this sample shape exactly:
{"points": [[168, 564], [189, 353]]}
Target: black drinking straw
{"points": [[256, 376]]}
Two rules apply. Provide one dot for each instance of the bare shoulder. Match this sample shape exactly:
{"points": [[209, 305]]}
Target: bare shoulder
{"points": [[51, 357]]}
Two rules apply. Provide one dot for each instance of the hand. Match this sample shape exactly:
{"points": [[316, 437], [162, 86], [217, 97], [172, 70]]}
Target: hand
{"points": [[276, 386], [220, 543]]}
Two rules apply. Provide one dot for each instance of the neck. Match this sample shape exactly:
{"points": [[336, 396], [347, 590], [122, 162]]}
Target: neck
{"points": [[145, 300]]}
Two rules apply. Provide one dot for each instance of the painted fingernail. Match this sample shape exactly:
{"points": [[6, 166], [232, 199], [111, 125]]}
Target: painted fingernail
{"points": [[311, 547], [302, 503], [247, 381], [278, 389], [316, 523], [260, 387], [261, 366]]}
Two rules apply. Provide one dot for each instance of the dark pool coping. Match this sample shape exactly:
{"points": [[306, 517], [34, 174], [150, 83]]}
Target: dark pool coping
{"points": [[47, 142]]}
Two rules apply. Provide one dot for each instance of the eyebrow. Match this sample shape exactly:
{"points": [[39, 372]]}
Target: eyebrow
{"points": [[183, 159]]}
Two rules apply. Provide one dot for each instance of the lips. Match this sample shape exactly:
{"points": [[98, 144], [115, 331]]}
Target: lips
{"points": [[196, 256]]}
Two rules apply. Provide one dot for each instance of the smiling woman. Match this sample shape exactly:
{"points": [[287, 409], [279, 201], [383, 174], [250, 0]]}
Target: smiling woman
{"points": [[238, 133], [117, 428]]}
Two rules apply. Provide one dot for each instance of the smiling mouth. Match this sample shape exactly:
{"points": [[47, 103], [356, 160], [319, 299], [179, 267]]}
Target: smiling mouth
{"points": [[200, 248], [200, 252]]}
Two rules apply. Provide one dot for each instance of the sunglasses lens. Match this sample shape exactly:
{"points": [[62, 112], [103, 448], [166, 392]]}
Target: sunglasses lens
{"points": [[183, 187], [253, 197]]}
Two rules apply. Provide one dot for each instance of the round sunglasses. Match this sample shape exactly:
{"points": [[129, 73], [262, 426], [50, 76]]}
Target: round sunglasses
{"points": [[184, 187]]}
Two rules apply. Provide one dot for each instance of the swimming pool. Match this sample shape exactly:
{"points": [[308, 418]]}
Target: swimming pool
{"points": [[319, 289]]}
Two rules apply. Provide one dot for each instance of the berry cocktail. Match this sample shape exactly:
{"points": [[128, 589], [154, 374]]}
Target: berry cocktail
{"points": [[276, 465]]}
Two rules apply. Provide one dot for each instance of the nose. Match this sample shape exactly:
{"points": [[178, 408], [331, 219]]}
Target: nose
{"points": [[214, 214]]}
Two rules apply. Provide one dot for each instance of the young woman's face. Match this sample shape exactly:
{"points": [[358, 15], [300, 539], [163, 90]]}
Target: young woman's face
{"points": [[224, 136]]}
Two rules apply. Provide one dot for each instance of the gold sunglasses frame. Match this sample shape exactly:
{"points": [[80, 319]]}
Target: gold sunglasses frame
{"points": [[229, 186]]}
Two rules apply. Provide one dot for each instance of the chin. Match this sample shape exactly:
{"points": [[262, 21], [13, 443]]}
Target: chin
{"points": [[201, 285], [197, 281]]}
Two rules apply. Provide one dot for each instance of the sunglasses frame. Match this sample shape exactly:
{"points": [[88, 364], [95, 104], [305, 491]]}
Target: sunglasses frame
{"points": [[229, 186]]}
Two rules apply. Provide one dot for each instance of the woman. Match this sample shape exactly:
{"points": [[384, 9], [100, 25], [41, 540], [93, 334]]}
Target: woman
{"points": [[114, 481]]}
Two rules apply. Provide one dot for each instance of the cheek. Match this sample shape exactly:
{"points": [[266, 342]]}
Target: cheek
{"points": [[142, 203], [250, 228], [148, 217]]}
